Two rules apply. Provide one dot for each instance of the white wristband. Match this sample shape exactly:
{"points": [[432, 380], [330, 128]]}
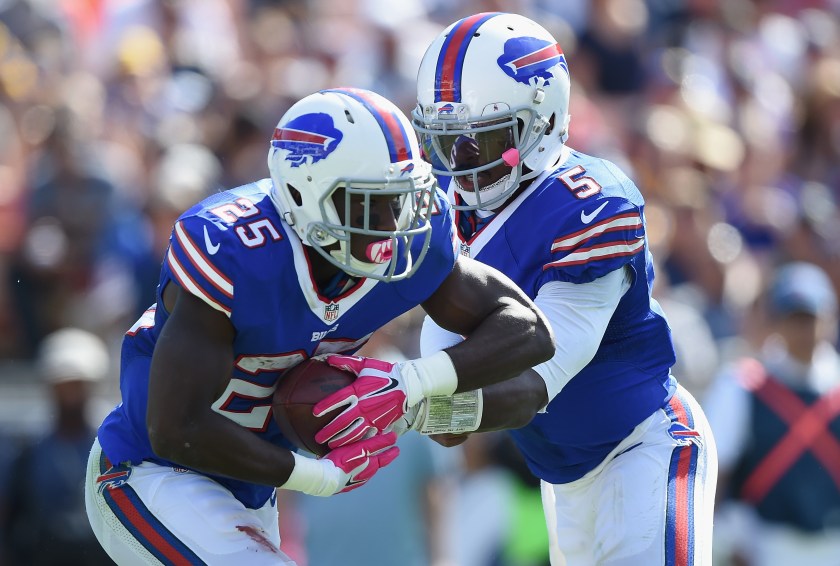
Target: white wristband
{"points": [[428, 376], [313, 476], [450, 414]]}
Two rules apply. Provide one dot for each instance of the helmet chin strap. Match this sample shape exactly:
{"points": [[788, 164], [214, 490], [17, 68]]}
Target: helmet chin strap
{"points": [[511, 158], [489, 193]]}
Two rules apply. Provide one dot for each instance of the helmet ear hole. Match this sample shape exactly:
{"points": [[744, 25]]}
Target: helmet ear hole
{"points": [[551, 121], [296, 196]]}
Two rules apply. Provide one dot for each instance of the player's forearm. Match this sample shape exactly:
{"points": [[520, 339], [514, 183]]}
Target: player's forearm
{"points": [[505, 331], [505, 405], [513, 403], [514, 338], [213, 444]]}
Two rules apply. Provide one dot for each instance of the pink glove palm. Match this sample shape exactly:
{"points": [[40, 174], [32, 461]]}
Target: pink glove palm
{"points": [[375, 401], [361, 460]]}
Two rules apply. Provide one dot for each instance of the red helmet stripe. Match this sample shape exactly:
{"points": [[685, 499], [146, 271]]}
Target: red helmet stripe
{"points": [[451, 58], [384, 112]]}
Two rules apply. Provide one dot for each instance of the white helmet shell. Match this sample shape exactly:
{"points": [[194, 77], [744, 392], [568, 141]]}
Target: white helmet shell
{"points": [[355, 140], [491, 71]]}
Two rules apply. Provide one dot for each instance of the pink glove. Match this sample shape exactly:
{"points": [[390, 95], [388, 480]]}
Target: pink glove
{"points": [[361, 460], [344, 468], [375, 400]]}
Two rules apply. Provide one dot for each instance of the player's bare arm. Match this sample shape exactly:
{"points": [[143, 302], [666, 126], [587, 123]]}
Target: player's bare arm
{"points": [[514, 402], [578, 315], [505, 331], [506, 334], [184, 429], [190, 370], [258, 279], [509, 404]]}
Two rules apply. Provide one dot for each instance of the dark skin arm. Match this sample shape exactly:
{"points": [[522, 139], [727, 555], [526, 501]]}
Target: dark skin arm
{"points": [[506, 333], [513, 403], [508, 404], [190, 369]]}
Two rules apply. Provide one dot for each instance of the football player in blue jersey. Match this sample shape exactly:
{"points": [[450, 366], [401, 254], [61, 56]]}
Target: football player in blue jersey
{"points": [[625, 454], [348, 233]]}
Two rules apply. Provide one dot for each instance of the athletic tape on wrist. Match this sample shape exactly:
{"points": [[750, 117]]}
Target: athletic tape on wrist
{"points": [[451, 414], [310, 476], [428, 376]]}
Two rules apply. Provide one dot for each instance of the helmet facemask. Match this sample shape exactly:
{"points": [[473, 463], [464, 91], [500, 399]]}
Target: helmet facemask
{"points": [[387, 249], [484, 156], [352, 147]]}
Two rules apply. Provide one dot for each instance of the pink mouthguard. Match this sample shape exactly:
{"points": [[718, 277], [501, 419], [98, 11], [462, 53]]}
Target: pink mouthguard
{"points": [[381, 251], [511, 157]]}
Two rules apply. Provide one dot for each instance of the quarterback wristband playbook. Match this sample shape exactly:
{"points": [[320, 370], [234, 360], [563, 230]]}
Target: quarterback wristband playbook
{"points": [[450, 414], [428, 376]]}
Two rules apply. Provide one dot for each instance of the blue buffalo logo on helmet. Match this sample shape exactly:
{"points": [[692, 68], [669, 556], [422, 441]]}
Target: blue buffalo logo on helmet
{"points": [[311, 137], [409, 167], [447, 108], [526, 58]]}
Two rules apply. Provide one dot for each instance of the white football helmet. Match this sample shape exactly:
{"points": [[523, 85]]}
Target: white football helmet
{"points": [[492, 91], [355, 140]]}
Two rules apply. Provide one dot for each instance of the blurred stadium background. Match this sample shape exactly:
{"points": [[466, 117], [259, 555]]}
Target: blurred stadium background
{"points": [[116, 115]]}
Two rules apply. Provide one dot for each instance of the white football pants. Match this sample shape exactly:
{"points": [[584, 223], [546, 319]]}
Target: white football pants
{"points": [[153, 514], [649, 503]]}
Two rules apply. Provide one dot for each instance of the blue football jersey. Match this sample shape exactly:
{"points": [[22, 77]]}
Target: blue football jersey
{"points": [[235, 252], [576, 224]]}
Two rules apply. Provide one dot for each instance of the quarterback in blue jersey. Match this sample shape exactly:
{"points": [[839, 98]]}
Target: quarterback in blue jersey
{"points": [[625, 455], [348, 233]]}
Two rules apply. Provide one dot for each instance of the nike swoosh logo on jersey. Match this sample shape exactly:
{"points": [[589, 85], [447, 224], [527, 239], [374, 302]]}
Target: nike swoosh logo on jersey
{"points": [[587, 218], [211, 247]]}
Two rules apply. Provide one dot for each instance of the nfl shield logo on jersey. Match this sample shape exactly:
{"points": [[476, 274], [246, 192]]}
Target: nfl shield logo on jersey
{"points": [[330, 312], [465, 249]]}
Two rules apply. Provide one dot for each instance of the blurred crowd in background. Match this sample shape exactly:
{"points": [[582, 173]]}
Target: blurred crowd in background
{"points": [[117, 115]]}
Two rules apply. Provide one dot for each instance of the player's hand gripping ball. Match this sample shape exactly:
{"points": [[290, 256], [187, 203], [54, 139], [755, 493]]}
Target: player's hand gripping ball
{"points": [[371, 404], [298, 391]]}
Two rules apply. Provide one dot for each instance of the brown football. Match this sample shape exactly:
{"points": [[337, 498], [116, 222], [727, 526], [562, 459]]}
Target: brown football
{"points": [[297, 392]]}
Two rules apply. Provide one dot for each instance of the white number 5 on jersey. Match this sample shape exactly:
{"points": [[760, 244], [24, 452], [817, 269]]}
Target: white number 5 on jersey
{"points": [[578, 183]]}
